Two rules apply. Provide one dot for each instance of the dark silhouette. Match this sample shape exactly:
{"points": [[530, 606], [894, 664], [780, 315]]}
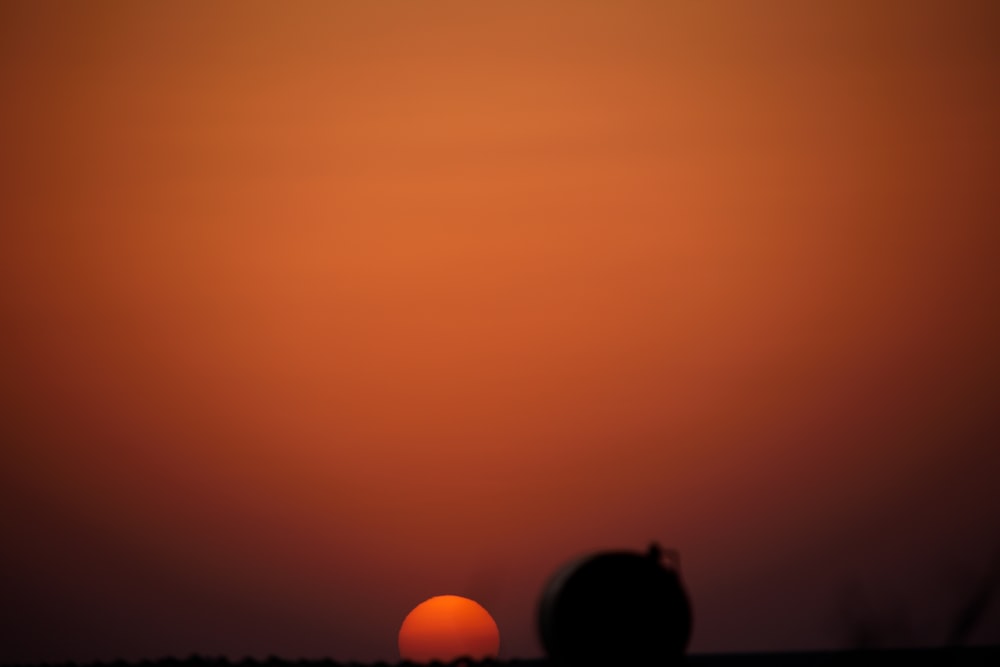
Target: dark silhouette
{"points": [[630, 609], [880, 627], [616, 607], [970, 614], [971, 656]]}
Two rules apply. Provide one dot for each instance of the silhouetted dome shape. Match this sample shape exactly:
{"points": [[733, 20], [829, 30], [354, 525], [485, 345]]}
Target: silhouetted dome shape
{"points": [[616, 607]]}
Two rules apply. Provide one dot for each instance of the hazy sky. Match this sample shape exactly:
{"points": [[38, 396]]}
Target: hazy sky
{"points": [[311, 311]]}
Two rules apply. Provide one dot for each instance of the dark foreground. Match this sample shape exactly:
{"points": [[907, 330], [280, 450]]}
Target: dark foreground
{"points": [[937, 657], [979, 656]]}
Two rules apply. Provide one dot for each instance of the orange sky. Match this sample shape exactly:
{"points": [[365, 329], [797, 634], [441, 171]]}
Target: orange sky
{"points": [[312, 311]]}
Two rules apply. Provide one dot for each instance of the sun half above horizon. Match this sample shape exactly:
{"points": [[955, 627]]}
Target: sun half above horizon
{"points": [[448, 627]]}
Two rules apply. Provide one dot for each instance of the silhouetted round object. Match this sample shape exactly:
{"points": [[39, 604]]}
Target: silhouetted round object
{"points": [[616, 607]]}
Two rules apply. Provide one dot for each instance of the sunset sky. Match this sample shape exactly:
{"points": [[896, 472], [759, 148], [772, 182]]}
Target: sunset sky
{"points": [[313, 310]]}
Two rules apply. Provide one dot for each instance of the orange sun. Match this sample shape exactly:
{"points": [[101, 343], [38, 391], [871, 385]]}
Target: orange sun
{"points": [[448, 627]]}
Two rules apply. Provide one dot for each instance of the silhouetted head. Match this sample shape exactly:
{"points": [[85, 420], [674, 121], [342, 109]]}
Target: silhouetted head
{"points": [[616, 607]]}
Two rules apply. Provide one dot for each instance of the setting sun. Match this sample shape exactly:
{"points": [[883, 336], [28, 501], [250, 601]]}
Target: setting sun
{"points": [[448, 627]]}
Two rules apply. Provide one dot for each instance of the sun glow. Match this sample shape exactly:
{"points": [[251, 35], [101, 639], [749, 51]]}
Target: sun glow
{"points": [[448, 627]]}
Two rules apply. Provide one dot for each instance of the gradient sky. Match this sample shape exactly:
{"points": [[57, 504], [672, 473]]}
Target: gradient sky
{"points": [[311, 311]]}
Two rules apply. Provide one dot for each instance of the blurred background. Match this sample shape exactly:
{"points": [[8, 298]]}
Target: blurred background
{"points": [[313, 310]]}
